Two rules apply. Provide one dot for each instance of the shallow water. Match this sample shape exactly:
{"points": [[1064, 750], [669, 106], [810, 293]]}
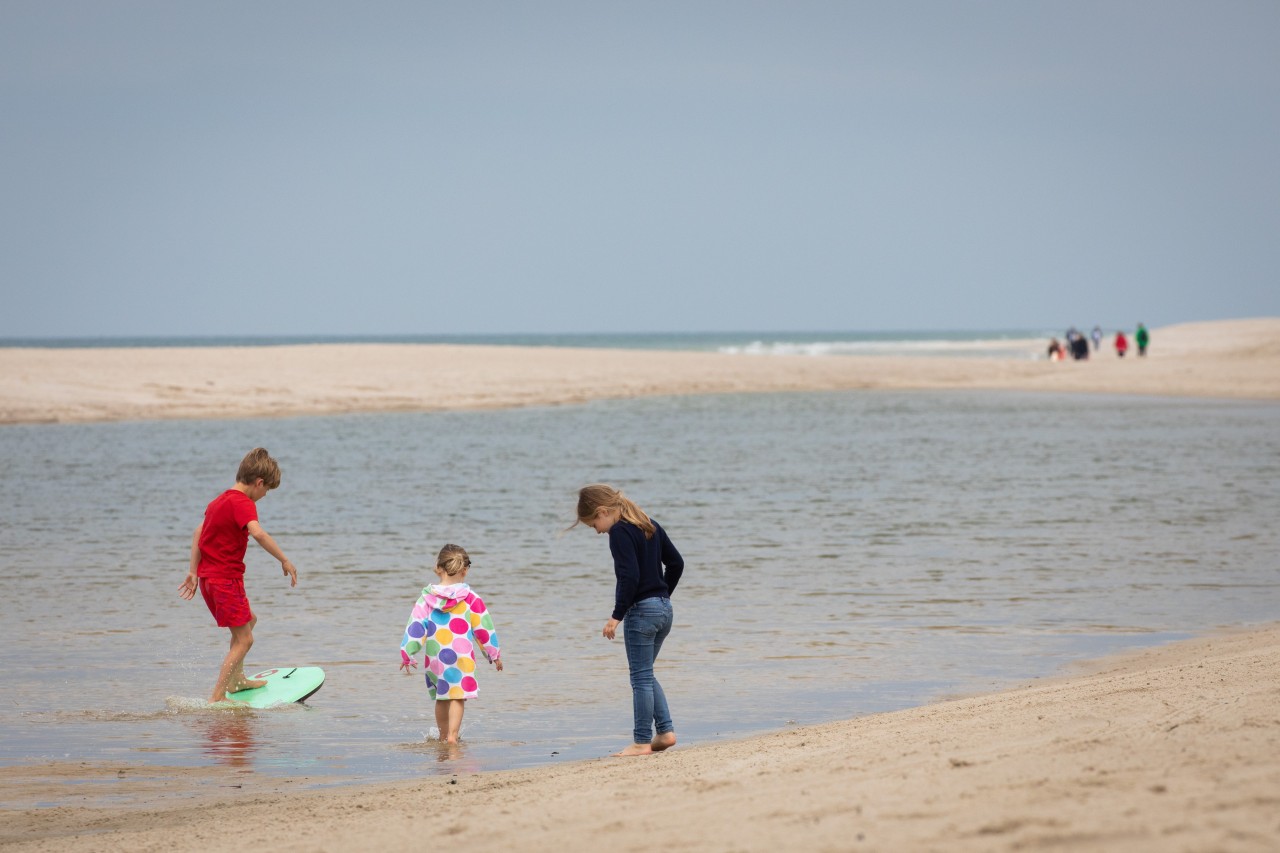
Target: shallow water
{"points": [[847, 553]]}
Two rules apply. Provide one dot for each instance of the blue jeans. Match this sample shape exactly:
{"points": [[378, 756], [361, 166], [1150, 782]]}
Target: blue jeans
{"points": [[646, 625]]}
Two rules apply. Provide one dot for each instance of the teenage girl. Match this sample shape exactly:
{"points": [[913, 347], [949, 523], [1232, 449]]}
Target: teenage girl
{"points": [[447, 624], [642, 603]]}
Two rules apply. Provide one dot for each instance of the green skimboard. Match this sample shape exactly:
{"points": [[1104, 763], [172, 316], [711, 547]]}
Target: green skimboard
{"points": [[284, 685]]}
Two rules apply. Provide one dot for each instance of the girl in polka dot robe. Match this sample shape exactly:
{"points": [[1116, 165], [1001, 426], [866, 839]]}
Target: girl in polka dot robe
{"points": [[448, 624]]}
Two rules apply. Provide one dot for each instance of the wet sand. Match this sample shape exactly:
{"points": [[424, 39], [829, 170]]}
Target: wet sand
{"points": [[1172, 748], [1228, 359]]}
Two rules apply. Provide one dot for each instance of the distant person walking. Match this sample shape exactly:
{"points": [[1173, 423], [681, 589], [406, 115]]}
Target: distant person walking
{"points": [[1142, 337], [1096, 334], [1078, 345], [1122, 344]]}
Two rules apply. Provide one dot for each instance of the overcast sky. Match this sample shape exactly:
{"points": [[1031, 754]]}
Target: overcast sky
{"points": [[176, 168]]}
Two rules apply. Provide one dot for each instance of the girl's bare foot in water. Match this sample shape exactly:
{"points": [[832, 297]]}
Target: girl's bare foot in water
{"points": [[665, 740], [635, 749]]}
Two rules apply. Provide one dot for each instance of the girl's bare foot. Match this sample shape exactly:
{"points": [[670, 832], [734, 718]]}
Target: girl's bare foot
{"points": [[635, 749], [662, 741]]}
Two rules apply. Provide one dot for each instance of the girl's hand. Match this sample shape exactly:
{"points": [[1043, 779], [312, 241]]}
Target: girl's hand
{"points": [[610, 629], [498, 664], [188, 588], [404, 666]]}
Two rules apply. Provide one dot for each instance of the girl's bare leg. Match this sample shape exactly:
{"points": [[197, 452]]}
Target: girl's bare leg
{"points": [[442, 717], [456, 707], [449, 718]]}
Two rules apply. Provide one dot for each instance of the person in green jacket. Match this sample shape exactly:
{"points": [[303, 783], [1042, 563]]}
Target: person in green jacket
{"points": [[1142, 337]]}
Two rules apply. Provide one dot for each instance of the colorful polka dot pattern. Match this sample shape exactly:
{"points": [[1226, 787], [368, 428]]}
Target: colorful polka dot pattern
{"points": [[447, 630]]}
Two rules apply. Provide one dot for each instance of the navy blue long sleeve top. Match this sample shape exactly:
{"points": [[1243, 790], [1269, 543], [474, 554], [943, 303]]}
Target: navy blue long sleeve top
{"points": [[638, 563]]}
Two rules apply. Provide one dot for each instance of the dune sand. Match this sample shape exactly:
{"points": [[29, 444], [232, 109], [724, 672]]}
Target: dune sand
{"points": [[1175, 748], [1229, 359]]}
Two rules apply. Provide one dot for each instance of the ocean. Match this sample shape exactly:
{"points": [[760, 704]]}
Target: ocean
{"points": [[1003, 343], [847, 553]]}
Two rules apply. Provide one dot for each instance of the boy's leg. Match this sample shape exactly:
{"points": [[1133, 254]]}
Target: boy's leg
{"points": [[241, 642], [238, 681], [229, 605]]}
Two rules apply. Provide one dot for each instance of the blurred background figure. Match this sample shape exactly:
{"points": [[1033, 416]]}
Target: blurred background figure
{"points": [[1142, 337], [1122, 344]]}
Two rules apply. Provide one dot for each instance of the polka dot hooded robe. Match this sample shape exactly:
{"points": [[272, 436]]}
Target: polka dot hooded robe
{"points": [[448, 624]]}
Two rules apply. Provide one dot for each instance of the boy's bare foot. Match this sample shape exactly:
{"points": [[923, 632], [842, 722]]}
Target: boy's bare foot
{"points": [[665, 740], [247, 684], [635, 749]]}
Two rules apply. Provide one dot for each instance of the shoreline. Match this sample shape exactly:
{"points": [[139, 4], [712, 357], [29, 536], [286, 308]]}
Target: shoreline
{"points": [[1169, 747], [1236, 359]]}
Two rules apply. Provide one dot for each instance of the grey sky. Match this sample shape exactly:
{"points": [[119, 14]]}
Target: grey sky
{"points": [[319, 168]]}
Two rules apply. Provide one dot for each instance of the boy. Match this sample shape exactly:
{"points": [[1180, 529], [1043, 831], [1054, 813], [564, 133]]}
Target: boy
{"points": [[217, 563]]}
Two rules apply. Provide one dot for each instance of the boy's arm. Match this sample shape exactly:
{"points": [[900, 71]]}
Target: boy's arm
{"points": [[188, 587], [269, 545]]}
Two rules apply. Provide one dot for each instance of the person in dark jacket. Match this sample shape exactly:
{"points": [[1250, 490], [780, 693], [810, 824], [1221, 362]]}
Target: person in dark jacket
{"points": [[647, 568]]}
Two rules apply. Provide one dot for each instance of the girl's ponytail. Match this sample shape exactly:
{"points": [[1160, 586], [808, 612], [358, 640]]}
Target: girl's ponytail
{"points": [[599, 495], [635, 515]]}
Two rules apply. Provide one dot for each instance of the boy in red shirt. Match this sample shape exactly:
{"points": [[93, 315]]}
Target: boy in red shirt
{"points": [[217, 563]]}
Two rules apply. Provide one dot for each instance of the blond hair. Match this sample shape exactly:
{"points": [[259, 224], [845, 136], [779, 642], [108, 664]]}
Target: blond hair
{"points": [[258, 465], [453, 560], [597, 496]]}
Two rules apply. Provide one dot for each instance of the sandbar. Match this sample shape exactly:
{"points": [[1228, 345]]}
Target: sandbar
{"points": [[1235, 359]]}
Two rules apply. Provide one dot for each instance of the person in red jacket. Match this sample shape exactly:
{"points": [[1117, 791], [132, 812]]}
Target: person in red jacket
{"points": [[217, 563], [1122, 344]]}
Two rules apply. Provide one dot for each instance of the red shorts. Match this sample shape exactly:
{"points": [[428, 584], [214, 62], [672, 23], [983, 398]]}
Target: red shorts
{"points": [[227, 601]]}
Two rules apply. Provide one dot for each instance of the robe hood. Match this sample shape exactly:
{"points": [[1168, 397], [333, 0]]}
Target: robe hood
{"points": [[444, 596]]}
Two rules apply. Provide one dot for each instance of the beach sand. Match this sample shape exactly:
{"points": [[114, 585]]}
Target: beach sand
{"points": [[1227, 359], [1175, 748]]}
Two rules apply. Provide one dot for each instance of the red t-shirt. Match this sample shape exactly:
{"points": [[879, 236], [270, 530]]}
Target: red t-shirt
{"points": [[224, 537]]}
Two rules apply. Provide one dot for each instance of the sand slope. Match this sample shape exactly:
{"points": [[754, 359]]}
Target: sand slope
{"points": [[1230, 359], [1171, 749]]}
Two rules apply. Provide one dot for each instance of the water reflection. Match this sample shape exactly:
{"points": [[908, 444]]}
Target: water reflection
{"points": [[453, 757], [230, 737]]}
